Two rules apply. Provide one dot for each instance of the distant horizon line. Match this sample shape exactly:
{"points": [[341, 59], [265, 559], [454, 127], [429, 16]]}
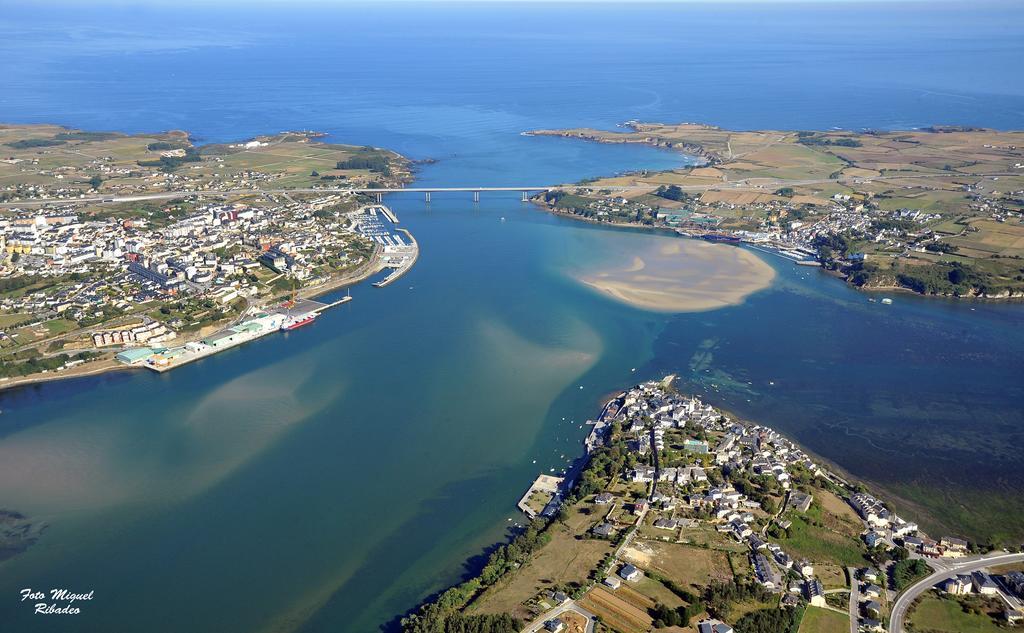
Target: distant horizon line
{"points": [[268, 3]]}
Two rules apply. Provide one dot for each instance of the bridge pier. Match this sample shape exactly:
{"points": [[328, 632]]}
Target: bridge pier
{"points": [[476, 196], [526, 198], [380, 198], [427, 196]]}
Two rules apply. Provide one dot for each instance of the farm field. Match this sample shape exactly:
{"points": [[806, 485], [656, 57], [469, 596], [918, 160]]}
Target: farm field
{"points": [[623, 611], [66, 159]]}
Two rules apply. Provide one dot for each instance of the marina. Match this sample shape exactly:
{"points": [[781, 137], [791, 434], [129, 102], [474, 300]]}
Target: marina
{"points": [[399, 246]]}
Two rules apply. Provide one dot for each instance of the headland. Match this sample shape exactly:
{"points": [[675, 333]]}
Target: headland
{"points": [[937, 211]]}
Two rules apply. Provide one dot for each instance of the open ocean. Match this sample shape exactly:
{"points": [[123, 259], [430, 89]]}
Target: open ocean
{"points": [[331, 478]]}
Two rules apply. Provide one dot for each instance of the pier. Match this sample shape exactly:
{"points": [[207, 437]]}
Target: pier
{"points": [[547, 490]]}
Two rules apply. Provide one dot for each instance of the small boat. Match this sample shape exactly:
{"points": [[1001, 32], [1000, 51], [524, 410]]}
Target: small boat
{"points": [[887, 301]]}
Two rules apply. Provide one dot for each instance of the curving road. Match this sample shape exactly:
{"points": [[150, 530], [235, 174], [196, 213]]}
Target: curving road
{"points": [[568, 605], [945, 570]]}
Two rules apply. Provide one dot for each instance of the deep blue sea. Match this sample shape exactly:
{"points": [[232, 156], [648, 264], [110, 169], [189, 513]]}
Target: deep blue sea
{"points": [[330, 479]]}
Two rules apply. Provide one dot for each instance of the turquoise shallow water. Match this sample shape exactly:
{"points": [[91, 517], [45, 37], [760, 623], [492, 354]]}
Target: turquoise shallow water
{"points": [[329, 479]]}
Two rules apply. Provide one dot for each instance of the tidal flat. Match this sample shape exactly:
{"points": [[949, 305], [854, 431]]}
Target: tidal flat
{"points": [[676, 275]]}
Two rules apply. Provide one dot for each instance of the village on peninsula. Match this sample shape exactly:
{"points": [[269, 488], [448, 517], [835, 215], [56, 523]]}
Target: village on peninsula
{"points": [[682, 518]]}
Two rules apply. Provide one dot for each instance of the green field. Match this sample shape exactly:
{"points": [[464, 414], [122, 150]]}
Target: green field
{"points": [[817, 620], [810, 537], [945, 615], [59, 326], [7, 320]]}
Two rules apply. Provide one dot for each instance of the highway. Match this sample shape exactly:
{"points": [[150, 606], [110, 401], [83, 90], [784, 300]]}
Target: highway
{"points": [[946, 569]]}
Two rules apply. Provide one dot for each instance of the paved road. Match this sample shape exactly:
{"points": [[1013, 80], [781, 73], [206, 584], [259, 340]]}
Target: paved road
{"points": [[854, 599], [945, 570]]}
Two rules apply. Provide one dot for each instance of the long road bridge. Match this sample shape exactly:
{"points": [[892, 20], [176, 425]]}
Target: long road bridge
{"points": [[753, 184], [426, 191], [378, 192]]}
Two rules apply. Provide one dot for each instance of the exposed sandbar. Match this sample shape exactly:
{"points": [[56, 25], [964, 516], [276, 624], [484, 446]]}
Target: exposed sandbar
{"points": [[683, 276]]}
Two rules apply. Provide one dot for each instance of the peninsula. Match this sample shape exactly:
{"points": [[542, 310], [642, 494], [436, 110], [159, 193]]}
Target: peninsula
{"points": [[684, 518], [936, 211], [146, 250]]}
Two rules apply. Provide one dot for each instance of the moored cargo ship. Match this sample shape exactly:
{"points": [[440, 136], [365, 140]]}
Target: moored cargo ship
{"points": [[297, 321]]}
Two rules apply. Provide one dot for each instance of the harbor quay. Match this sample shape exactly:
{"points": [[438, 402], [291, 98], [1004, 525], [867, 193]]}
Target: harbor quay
{"points": [[288, 316]]}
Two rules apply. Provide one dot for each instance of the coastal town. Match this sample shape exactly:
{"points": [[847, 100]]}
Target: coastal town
{"points": [[89, 285], [147, 252], [935, 211], [681, 517]]}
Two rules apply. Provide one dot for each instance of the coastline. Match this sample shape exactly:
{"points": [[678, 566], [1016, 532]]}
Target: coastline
{"points": [[637, 226], [771, 187], [112, 365]]}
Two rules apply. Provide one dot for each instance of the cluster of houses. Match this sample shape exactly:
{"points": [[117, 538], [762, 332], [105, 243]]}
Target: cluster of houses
{"points": [[1009, 588], [102, 266], [151, 332], [707, 450], [720, 446], [886, 528], [870, 594]]}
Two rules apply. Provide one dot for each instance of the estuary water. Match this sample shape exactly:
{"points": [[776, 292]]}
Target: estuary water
{"points": [[330, 478]]}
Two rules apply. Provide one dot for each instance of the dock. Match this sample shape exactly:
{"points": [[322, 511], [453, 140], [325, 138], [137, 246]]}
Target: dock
{"points": [[257, 326], [320, 307], [544, 485], [388, 213]]}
